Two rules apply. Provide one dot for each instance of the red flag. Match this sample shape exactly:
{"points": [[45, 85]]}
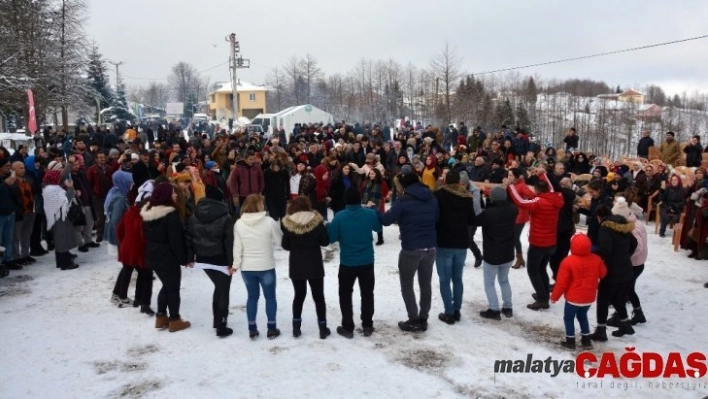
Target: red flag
{"points": [[32, 123]]}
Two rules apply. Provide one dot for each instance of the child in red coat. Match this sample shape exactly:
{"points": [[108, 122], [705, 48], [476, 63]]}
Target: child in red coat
{"points": [[578, 278], [131, 248]]}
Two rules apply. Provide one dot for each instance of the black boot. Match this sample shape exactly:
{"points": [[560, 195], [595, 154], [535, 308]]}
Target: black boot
{"points": [[380, 240], [538, 305], [491, 314], [569, 343], [324, 331], [147, 310], [613, 321], [586, 342], [600, 334], [221, 330], [625, 328], [638, 317], [297, 323]]}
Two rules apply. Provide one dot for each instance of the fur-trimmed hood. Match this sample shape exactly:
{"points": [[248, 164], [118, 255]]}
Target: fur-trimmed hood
{"points": [[457, 189], [156, 212], [302, 222], [619, 224]]}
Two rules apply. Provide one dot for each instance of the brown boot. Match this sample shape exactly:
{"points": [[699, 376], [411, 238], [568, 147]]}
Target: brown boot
{"points": [[162, 321], [520, 262], [178, 325]]}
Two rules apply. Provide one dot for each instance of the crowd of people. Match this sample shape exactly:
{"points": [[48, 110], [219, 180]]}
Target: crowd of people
{"points": [[222, 205]]}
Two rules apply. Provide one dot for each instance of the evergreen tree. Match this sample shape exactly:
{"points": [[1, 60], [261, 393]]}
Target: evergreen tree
{"points": [[119, 112], [522, 117], [619, 90], [505, 114], [98, 80]]}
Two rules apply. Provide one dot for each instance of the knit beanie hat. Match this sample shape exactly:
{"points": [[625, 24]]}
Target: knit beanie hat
{"points": [[497, 194], [621, 208], [161, 195], [209, 165], [145, 191], [406, 169]]}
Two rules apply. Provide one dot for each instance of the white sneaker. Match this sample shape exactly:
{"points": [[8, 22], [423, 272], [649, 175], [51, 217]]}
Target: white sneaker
{"points": [[124, 303], [114, 299]]}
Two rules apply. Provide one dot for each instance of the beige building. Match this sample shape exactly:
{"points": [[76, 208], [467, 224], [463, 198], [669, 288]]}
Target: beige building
{"points": [[631, 96], [251, 101]]}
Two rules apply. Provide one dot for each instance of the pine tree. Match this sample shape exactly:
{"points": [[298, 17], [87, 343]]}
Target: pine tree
{"points": [[99, 80], [119, 112], [619, 90], [522, 117], [505, 114]]}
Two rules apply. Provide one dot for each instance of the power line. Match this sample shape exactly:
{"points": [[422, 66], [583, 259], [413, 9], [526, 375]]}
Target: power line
{"points": [[594, 55], [155, 79]]}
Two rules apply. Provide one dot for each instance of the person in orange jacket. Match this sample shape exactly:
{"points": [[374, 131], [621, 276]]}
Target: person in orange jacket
{"points": [[578, 278]]}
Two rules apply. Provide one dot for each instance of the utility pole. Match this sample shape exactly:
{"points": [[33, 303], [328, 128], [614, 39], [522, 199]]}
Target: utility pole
{"points": [[235, 62], [117, 64]]}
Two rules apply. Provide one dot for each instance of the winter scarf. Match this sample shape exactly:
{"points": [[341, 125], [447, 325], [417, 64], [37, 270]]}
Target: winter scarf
{"points": [[371, 192], [56, 205], [121, 185]]}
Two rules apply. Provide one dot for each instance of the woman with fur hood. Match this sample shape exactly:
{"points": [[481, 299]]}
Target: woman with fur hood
{"points": [[615, 245], [165, 252], [304, 233]]}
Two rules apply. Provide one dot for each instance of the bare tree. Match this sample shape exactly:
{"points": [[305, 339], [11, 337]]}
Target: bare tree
{"points": [[311, 72], [447, 66], [275, 80]]}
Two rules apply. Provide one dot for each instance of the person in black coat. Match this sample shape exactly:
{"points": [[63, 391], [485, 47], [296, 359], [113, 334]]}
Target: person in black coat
{"points": [[340, 183], [566, 226], [456, 216], [644, 143], [498, 221], [304, 233], [277, 190], [210, 239], [165, 251], [615, 246], [694, 152]]}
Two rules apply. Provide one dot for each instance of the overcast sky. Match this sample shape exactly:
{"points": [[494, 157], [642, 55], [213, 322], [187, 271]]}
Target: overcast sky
{"points": [[152, 35]]}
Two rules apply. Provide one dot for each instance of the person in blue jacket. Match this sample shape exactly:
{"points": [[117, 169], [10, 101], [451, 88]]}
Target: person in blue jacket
{"points": [[416, 213], [353, 228]]}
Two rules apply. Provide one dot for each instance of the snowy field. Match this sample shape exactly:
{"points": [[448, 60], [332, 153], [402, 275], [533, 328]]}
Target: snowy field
{"points": [[61, 338]]}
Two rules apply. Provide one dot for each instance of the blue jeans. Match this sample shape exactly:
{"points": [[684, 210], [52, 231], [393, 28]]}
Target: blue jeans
{"points": [[569, 315], [450, 262], [491, 272], [254, 282], [7, 231]]}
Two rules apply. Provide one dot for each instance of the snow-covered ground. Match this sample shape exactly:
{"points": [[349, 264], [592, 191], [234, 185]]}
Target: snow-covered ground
{"points": [[61, 338]]}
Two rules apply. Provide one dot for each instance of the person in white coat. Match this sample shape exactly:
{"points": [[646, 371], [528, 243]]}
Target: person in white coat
{"points": [[254, 236]]}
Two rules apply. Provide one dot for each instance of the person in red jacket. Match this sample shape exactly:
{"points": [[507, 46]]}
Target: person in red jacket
{"points": [[516, 178], [131, 248], [246, 179], [578, 278], [543, 210]]}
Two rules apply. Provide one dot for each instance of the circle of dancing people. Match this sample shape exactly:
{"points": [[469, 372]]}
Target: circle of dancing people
{"points": [[223, 203]]}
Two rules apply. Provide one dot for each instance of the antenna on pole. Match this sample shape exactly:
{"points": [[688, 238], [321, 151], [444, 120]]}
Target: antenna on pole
{"points": [[235, 62]]}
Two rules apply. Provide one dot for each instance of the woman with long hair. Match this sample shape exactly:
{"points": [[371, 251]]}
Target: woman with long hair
{"points": [[165, 251], [340, 183], [322, 185], [131, 250], [516, 177], [374, 189], [304, 233], [254, 235], [210, 240]]}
